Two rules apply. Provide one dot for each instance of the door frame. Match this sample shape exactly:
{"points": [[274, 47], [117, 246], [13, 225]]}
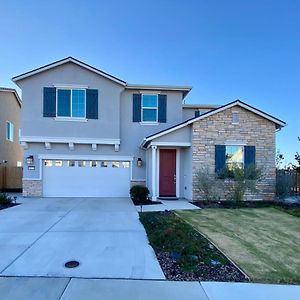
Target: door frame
{"points": [[177, 169]]}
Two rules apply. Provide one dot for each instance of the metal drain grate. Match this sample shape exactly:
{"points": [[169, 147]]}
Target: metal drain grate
{"points": [[72, 264]]}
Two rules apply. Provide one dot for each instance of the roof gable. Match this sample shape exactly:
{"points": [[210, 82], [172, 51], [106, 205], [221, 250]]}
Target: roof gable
{"points": [[9, 90], [279, 123], [64, 61]]}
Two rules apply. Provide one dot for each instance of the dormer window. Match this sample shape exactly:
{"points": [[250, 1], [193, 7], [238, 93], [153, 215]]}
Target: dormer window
{"points": [[149, 108], [70, 103]]}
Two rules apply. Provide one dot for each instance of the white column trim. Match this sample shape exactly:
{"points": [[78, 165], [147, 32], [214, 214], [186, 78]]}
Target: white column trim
{"points": [[153, 177]]}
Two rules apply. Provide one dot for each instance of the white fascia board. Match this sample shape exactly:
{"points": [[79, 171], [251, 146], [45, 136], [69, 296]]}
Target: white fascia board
{"points": [[158, 87], [69, 59], [170, 144], [63, 140], [85, 157]]}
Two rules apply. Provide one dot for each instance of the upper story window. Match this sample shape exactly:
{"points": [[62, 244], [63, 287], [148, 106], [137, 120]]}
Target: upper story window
{"points": [[149, 108], [9, 131], [234, 157], [71, 103]]}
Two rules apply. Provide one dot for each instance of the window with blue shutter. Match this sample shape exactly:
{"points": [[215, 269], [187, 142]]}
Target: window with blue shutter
{"points": [[49, 102], [249, 156], [162, 108], [136, 107], [92, 104], [219, 158]]}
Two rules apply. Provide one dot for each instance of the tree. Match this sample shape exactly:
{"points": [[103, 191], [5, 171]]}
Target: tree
{"points": [[279, 159], [297, 158]]}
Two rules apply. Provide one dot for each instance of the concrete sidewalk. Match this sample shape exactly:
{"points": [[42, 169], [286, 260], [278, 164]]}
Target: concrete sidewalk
{"points": [[37, 288]]}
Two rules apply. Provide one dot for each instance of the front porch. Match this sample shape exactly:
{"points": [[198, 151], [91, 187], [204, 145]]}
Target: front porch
{"points": [[169, 173]]}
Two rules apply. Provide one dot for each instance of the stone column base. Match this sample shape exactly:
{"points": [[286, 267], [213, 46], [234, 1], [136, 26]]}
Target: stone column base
{"points": [[32, 188]]}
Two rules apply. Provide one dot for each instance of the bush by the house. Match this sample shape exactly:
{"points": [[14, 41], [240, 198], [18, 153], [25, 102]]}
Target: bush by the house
{"points": [[239, 180], [208, 187], [5, 199], [139, 193]]}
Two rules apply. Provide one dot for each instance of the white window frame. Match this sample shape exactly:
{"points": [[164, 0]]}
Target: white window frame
{"points": [[147, 107], [11, 131], [71, 100]]}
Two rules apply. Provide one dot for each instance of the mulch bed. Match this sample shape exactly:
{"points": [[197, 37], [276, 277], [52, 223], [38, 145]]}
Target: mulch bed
{"points": [[244, 204], [204, 271], [8, 205], [183, 253], [147, 202]]}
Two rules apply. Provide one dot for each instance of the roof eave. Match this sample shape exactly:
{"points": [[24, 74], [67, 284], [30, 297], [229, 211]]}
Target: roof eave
{"points": [[17, 78]]}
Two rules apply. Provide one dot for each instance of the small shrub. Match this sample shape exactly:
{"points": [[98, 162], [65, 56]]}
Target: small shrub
{"points": [[139, 193], [208, 187], [242, 180], [5, 199], [283, 186]]}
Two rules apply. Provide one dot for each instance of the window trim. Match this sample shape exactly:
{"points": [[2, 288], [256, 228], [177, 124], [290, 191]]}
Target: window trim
{"points": [[70, 118], [147, 107], [9, 138]]}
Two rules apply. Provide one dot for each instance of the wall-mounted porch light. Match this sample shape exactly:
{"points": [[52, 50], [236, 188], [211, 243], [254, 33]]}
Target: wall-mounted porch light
{"points": [[29, 160], [139, 162]]}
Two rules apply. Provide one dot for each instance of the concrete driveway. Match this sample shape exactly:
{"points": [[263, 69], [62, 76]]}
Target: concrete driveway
{"points": [[104, 234]]}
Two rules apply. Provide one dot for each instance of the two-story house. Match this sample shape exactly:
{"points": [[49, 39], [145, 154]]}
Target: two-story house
{"points": [[87, 133], [10, 113]]}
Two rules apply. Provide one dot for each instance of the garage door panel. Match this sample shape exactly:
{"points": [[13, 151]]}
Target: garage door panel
{"points": [[86, 181]]}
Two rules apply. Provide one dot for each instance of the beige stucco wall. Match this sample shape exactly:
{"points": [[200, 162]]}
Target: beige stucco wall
{"points": [[251, 130], [9, 111]]}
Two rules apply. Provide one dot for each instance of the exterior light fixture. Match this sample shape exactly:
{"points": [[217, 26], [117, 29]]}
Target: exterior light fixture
{"points": [[29, 160], [139, 162]]}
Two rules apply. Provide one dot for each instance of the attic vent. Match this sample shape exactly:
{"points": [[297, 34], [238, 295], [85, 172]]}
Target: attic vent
{"points": [[235, 117]]}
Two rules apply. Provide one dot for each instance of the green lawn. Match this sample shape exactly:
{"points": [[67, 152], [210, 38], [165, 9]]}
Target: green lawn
{"points": [[264, 242]]}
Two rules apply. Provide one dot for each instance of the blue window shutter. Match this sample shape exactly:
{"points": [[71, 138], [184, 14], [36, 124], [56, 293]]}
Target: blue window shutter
{"points": [[91, 104], [249, 158], [49, 102], [219, 158], [197, 113], [136, 107], [162, 108]]}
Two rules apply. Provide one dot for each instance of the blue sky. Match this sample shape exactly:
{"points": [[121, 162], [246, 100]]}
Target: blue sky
{"points": [[226, 50]]}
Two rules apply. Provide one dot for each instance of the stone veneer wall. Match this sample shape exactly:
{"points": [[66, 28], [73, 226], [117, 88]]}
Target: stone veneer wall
{"points": [[32, 188], [251, 130]]}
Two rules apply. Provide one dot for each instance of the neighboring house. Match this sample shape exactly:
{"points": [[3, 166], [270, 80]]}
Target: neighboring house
{"points": [[88, 133], [10, 110]]}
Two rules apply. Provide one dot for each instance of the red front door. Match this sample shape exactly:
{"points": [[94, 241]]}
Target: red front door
{"points": [[167, 172]]}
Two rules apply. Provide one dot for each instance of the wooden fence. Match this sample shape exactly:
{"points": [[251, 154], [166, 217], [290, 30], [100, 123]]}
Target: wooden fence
{"points": [[10, 178], [292, 178]]}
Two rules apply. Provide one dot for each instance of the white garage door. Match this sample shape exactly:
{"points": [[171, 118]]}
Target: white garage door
{"points": [[84, 178]]}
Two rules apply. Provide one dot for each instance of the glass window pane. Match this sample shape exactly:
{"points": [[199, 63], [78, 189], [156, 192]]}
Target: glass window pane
{"points": [[125, 164], [48, 163], [115, 164], [93, 164], [81, 163], [63, 103], [104, 164], [78, 103], [71, 163], [149, 101], [58, 163], [149, 115], [234, 156]]}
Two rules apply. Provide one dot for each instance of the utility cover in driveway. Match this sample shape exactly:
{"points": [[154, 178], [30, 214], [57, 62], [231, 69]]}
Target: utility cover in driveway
{"points": [[86, 178]]}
